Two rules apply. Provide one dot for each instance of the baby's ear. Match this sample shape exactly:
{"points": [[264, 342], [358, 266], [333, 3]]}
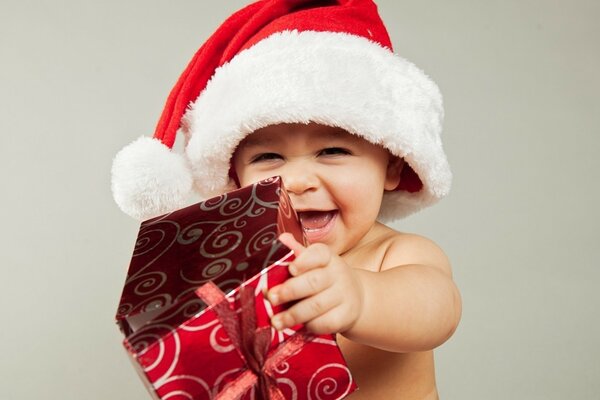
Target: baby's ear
{"points": [[393, 173]]}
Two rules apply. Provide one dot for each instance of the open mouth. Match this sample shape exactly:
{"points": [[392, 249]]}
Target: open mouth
{"points": [[316, 224]]}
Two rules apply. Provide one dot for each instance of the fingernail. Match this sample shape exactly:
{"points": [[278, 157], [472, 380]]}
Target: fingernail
{"points": [[277, 322], [293, 270], [273, 298]]}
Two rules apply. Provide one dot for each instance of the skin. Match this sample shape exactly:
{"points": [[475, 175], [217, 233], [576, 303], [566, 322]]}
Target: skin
{"points": [[389, 296]]}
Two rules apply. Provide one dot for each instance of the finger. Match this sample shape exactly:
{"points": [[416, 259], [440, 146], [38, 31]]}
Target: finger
{"points": [[304, 311], [305, 285], [290, 242], [315, 256], [329, 322]]}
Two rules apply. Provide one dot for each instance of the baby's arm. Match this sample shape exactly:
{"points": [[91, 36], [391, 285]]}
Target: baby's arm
{"points": [[412, 304]]}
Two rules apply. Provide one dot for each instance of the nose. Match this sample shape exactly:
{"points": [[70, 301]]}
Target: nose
{"points": [[299, 178]]}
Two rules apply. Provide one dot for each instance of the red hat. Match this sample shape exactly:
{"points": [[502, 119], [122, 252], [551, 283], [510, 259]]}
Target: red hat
{"points": [[286, 61]]}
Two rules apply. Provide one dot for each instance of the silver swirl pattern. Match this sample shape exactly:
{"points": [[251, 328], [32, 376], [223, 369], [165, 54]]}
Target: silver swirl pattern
{"points": [[196, 384], [154, 240], [166, 352], [190, 234], [263, 237], [149, 241], [155, 302], [212, 271], [222, 380], [220, 243], [186, 310], [322, 385], [293, 390], [219, 340], [213, 203], [148, 282], [124, 308]]}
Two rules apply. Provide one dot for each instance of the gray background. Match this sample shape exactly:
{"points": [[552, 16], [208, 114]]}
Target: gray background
{"points": [[80, 79]]}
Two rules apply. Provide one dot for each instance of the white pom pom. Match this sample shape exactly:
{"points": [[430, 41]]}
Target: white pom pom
{"points": [[148, 179]]}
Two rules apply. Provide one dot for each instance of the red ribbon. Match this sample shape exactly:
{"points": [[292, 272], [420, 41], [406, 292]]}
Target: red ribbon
{"points": [[252, 343]]}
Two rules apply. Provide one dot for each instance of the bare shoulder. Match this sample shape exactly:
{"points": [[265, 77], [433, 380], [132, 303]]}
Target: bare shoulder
{"points": [[385, 248], [409, 248]]}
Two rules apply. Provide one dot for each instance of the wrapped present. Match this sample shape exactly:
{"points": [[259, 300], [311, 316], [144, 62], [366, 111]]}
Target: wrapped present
{"points": [[193, 310]]}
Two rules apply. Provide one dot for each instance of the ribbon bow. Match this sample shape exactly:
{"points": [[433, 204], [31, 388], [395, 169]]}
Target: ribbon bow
{"points": [[251, 342]]}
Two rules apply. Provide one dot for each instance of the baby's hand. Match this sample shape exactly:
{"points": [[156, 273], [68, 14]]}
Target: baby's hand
{"points": [[329, 294]]}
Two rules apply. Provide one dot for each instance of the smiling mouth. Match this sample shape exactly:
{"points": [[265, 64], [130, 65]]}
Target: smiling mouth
{"points": [[316, 224]]}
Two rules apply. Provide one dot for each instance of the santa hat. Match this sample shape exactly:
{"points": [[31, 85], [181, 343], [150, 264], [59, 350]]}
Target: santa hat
{"points": [[286, 61]]}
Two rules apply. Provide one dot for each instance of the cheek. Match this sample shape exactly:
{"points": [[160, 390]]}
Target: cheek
{"points": [[243, 178], [358, 190], [362, 188], [365, 177], [240, 171], [246, 175]]}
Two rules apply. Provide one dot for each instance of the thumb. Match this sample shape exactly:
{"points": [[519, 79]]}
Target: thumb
{"points": [[290, 242]]}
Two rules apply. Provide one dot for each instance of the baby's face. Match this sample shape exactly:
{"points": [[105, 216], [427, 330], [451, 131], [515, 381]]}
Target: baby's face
{"points": [[335, 180]]}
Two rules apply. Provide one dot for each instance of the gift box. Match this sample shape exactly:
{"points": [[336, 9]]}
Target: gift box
{"points": [[193, 310]]}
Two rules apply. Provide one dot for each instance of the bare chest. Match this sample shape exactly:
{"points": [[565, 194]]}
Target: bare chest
{"points": [[386, 375]]}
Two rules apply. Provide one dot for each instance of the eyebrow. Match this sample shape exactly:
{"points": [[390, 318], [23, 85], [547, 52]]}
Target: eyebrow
{"points": [[253, 141]]}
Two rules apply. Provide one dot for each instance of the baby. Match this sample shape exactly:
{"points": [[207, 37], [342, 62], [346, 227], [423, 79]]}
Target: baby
{"points": [[312, 91], [390, 295]]}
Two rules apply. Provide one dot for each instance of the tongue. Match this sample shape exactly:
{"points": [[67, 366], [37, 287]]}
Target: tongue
{"points": [[311, 220]]}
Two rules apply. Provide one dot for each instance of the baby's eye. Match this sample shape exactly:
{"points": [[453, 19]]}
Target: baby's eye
{"points": [[266, 157], [334, 151]]}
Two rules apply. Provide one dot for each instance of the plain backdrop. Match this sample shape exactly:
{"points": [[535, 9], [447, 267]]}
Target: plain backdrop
{"points": [[79, 79]]}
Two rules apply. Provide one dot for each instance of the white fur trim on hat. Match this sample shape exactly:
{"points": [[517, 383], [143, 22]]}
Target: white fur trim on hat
{"points": [[148, 179], [330, 78]]}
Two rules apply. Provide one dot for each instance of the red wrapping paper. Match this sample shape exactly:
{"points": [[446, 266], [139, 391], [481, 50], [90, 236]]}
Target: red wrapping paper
{"points": [[178, 342]]}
